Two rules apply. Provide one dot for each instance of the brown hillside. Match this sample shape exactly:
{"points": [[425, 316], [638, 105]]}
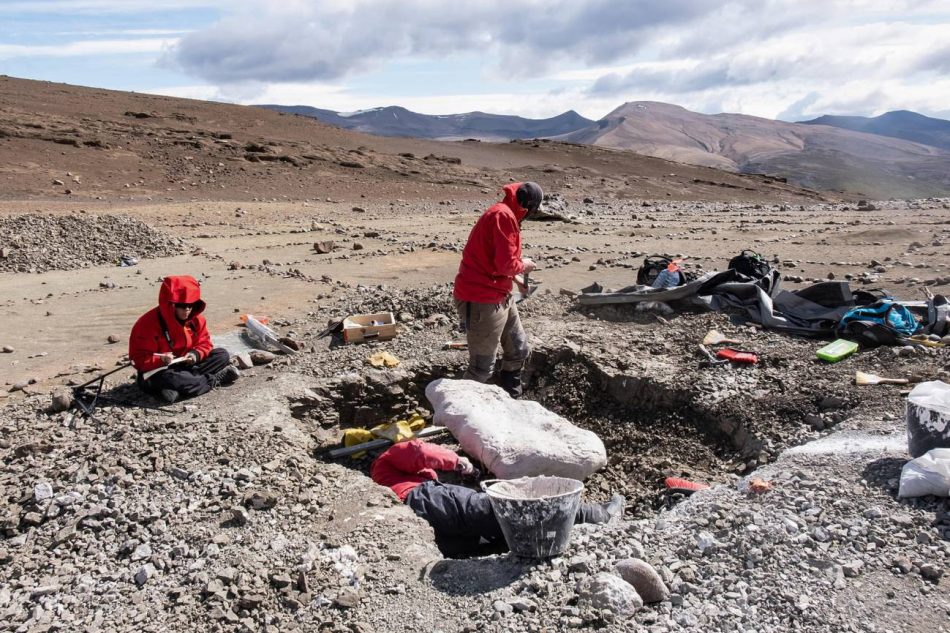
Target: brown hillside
{"points": [[142, 146]]}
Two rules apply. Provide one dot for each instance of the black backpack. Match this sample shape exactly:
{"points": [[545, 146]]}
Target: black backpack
{"points": [[869, 334], [654, 265], [750, 264], [938, 315]]}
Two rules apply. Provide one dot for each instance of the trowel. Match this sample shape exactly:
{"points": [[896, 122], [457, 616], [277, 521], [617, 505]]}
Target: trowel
{"points": [[525, 288]]}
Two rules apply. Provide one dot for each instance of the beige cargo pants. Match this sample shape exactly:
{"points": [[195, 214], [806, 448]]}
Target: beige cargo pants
{"points": [[487, 325]]}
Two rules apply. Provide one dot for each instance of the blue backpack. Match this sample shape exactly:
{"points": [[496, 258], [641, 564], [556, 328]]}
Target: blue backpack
{"points": [[883, 322]]}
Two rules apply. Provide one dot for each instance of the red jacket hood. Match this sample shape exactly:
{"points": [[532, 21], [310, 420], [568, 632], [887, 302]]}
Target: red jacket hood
{"points": [[179, 289], [511, 199]]}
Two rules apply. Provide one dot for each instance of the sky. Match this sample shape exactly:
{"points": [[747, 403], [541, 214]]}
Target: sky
{"points": [[780, 59]]}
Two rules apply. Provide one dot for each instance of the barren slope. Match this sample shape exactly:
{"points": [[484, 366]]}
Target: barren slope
{"points": [[124, 146]]}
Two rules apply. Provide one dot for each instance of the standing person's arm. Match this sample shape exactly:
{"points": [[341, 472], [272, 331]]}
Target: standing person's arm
{"points": [[506, 236]]}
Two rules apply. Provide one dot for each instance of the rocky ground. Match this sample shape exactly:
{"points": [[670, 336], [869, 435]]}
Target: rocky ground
{"points": [[226, 513], [153, 519]]}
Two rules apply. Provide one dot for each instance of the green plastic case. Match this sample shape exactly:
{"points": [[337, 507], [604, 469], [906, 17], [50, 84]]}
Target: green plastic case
{"points": [[833, 352]]}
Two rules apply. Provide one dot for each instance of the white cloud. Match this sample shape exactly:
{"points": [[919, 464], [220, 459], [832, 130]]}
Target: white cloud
{"points": [[125, 32], [88, 47], [201, 92], [307, 41], [65, 7], [596, 72], [864, 68], [745, 55], [762, 57]]}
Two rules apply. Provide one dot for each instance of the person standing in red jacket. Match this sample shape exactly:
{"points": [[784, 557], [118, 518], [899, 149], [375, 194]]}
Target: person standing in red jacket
{"points": [[462, 518], [176, 329], [490, 261]]}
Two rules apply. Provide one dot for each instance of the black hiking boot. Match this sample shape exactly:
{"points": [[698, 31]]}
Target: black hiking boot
{"points": [[169, 396], [226, 376], [510, 381]]}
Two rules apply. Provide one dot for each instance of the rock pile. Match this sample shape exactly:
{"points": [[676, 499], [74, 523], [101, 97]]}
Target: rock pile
{"points": [[822, 548], [35, 243]]}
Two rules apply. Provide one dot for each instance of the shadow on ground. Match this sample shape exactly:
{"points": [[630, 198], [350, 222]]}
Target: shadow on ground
{"points": [[125, 396], [476, 576], [882, 473]]}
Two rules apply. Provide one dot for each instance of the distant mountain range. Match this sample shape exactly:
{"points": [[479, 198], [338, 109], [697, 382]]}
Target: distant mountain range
{"points": [[904, 124], [815, 156], [396, 121], [896, 155]]}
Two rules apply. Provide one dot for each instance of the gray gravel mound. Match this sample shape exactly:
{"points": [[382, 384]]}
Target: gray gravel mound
{"points": [[34, 243]]}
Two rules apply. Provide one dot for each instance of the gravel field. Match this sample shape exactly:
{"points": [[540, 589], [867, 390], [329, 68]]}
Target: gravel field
{"points": [[224, 513]]}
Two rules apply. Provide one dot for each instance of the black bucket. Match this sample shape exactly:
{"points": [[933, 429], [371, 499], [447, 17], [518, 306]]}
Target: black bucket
{"points": [[928, 417], [536, 514]]}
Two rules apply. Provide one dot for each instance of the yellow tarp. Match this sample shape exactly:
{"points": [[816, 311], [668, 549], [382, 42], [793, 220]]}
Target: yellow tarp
{"points": [[395, 432]]}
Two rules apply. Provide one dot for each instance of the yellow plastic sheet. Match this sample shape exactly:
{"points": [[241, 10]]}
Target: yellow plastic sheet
{"points": [[382, 359], [395, 432]]}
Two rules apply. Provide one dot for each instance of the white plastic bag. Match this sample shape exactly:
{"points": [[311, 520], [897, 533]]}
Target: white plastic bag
{"points": [[929, 474]]}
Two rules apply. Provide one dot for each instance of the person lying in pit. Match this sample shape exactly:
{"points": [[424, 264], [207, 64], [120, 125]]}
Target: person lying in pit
{"points": [[462, 518]]}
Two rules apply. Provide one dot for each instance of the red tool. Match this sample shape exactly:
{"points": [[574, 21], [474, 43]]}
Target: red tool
{"points": [[737, 356], [675, 484]]}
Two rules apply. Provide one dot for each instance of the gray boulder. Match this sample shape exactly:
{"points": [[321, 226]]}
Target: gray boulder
{"points": [[606, 591]]}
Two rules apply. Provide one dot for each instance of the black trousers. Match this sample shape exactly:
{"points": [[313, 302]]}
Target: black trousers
{"points": [[188, 381], [462, 517]]}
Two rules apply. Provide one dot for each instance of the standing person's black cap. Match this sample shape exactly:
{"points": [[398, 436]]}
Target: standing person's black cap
{"points": [[530, 196]]}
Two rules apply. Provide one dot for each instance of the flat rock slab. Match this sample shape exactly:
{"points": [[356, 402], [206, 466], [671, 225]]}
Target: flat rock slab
{"points": [[513, 438]]}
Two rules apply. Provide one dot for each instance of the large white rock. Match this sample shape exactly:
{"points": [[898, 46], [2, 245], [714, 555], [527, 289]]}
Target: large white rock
{"points": [[513, 438]]}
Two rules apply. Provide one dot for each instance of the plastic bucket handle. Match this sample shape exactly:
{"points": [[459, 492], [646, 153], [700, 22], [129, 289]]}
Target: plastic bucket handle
{"points": [[486, 484]]}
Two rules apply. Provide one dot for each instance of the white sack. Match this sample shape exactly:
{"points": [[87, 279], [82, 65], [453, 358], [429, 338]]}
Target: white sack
{"points": [[928, 417], [929, 474], [513, 438]]}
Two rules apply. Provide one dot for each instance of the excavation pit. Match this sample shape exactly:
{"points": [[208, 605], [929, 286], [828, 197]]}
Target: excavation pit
{"points": [[653, 428]]}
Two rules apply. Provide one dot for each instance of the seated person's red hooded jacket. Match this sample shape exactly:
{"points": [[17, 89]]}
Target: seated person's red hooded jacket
{"points": [[149, 337], [492, 255]]}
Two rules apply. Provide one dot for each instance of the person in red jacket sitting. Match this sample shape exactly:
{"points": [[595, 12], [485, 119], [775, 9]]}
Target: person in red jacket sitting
{"points": [[461, 518], [176, 330], [490, 261]]}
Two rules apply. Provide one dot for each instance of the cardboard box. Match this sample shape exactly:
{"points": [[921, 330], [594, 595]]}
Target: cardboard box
{"points": [[360, 328]]}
